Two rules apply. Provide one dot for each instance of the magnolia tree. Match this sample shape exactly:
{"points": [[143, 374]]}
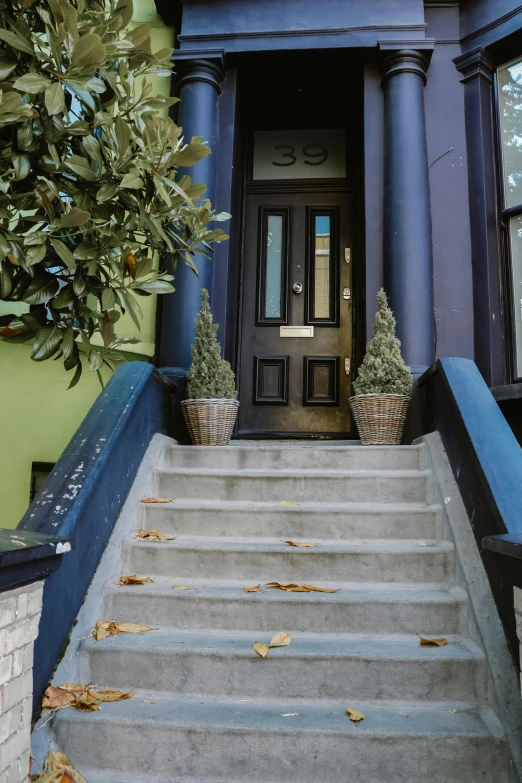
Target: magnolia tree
{"points": [[91, 203]]}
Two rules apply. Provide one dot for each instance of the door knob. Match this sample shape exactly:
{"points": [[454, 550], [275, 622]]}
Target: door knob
{"points": [[297, 288]]}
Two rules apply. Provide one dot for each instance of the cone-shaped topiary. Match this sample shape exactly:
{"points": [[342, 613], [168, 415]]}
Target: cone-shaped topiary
{"points": [[383, 370], [210, 376]]}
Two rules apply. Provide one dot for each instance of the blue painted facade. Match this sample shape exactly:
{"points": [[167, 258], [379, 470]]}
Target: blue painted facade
{"points": [[428, 223]]}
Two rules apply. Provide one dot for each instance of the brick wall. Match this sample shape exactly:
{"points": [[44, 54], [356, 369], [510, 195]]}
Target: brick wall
{"points": [[19, 617]]}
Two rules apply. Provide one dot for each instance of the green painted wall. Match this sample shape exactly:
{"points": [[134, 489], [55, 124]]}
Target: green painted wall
{"points": [[39, 415]]}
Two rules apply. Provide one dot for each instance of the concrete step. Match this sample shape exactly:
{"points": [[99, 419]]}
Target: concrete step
{"points": [[381, 486], [356, 608], [305, 520], [273, 457], [314, 666], [263, 560], [199, 737]]}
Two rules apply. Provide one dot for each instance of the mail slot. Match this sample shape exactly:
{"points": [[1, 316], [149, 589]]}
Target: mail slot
{"points": [[296, 331]]}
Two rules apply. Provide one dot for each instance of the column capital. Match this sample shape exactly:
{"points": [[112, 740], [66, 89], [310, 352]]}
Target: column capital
{"points": [[406, 57], [475, 63], [200, 66]]}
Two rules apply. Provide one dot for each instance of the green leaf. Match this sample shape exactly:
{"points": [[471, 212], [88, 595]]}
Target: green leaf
{"points": [[63, 252], [76, 217], [108, 299], [155, 287], [16, 41], [42, 288], [6, 68], [46, 343], [132, 181], [6, 278], [106, 192], [32, 83], [77, 375], [35, 254], [81, 167], [85, 251], [21, 166], [88, 50], [68, 343], [123, 135], [95, 361], [55, 99]]}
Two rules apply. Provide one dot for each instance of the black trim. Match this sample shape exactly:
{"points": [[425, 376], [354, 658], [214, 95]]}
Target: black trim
{"points": [[260, 362], [264, 214], [309, 396], [334, 259]]}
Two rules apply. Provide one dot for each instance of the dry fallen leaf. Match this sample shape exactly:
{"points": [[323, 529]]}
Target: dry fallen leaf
{"points": [[156, 500], [402, 713], [304, 588], [153, 535], [453, 711], [261, 649], [180, 587], [58, 769], [289, 714], [105, 628], [83, 697], [281, 639], [433, 642], [299, 543], [134, 580], [243, 701], [288, 503], [355, 715], [253, 589], [322, 589]]}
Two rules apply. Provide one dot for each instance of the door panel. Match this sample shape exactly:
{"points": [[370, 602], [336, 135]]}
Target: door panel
{"points": [[297, 273]]}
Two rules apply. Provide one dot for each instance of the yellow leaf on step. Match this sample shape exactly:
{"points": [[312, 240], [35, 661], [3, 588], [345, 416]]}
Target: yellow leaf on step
{"points": [[355, 715], [432, 642], [253, 589], [298, 543], [288, 503], [261, 649], [180, 587], [134, 580], [153, 535], [132, 628], [156, 500], [289, 714], [322, 589], [281, 639]]}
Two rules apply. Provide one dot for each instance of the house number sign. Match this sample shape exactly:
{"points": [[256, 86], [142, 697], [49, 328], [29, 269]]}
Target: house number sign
{"points": [[299, 154]]}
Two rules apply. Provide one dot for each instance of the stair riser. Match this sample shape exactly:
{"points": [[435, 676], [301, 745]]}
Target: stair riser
{"points": [[330, 458], [429, 566], [283, 756], [283, 675], [285, 523], [319, 489], [181, 610]]}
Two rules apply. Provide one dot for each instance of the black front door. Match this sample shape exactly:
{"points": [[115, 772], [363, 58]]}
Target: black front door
{"points": [[296, 338]]}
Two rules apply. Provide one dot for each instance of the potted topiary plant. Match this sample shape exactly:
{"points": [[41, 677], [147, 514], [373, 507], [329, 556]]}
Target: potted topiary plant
{"points": [[384, 383], [210, 409]]}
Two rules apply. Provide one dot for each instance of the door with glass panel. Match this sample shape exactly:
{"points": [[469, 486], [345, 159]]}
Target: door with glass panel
{"points": [[296, 337]]}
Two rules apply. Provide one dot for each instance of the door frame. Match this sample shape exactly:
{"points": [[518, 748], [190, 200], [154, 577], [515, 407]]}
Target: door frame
{"points": [[354, 185]]}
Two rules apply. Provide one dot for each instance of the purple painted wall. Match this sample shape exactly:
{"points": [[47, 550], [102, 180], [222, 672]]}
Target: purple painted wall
{"points": [[444, 101]]}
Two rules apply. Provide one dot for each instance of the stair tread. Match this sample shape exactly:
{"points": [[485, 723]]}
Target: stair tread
{"points": [[346, 591], [301, 507], [297, 472], [314, 716], [325, 546], [239, 643]]}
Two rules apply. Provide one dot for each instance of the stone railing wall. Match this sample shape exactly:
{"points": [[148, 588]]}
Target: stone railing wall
{"points": [[20, 611], [518, 616]]}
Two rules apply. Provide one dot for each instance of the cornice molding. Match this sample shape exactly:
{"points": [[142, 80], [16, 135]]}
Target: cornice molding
{"points": [[491, 25]]}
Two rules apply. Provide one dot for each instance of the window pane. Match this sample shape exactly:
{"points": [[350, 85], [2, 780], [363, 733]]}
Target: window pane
{"points": [[274, 260], [516, 255], [510, 100], [322, 271]]}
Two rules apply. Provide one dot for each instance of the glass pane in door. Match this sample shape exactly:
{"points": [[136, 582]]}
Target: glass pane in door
{"points": [[322, 271], [274, 261]]}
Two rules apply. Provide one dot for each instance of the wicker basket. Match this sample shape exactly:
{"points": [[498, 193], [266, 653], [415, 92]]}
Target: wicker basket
{"points": [[209, 421], [380, 417]]}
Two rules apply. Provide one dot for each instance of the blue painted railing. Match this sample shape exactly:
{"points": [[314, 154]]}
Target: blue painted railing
{"points": [[486, 460], [83, 496]]}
